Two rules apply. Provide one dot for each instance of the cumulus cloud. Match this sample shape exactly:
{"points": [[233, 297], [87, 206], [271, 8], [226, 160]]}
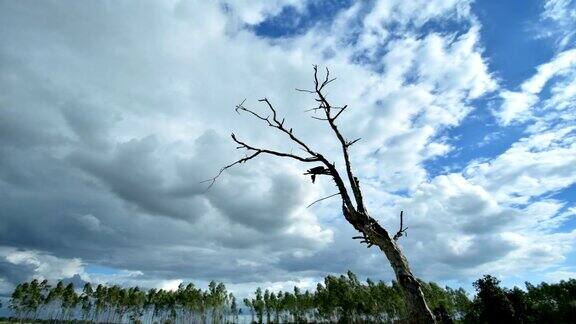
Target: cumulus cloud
{"points": [[535, 165], [20, 265]]}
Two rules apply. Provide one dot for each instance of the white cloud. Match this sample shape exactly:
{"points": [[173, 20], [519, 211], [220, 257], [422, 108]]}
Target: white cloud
{"points": [[447, 73], [43, 266], [562, 15], [170, 284], [563, 273], [253, 11], [462, 229], [533, 166], [376, 24], [518, 106]]}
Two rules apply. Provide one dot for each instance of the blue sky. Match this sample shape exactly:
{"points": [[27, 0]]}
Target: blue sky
{"points": [[112, 113]]}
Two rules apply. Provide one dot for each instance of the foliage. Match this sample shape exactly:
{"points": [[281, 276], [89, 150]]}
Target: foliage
{"points": [[343, 299], [544, 303], [114, 304]]}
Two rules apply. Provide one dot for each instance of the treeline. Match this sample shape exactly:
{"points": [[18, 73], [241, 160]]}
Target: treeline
{"points": [[343, 299], [38, 301]]}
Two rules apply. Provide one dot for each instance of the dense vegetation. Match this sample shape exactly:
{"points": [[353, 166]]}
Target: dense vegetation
{"points": [[38, 300], [346, 299], [338, 299]]}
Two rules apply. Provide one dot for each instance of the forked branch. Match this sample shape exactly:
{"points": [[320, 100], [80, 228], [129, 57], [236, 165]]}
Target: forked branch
{"points": [[272, 120], [275, 123], [328, 111]]}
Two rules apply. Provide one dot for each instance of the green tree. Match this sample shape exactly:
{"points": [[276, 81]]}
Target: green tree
{"points": [[233, 307], [258, 304], [250, 307], [491, 304], [86, 300]]}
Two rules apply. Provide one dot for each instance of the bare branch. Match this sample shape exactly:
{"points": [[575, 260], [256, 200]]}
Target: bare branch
{"points": [[327, 79], [338, 114], [304, 90], [256, 152], [242, 160], [240, 106], [327, 110], [314, 109], [402, 231], [348, 144], [275, 123], [315, 76], [319, 200], [364, 239], [272, 152], [271, 108]]}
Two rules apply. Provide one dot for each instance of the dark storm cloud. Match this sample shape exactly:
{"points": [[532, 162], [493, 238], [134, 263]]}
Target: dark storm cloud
{"points": [[89, 205], [133, 174], [15, 273], [264, 211], [20, 129], [90, 123]]}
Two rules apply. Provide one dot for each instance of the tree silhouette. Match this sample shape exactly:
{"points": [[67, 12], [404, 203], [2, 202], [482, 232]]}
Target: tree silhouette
{"points": [[353, 207]]}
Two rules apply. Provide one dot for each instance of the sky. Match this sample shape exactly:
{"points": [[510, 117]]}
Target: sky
{"points": [[113, 112]]}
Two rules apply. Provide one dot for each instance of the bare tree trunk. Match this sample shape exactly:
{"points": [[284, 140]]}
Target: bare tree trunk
{"points": [[418, 310]]}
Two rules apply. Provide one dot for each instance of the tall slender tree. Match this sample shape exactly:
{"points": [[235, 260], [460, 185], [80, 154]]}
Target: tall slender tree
{"points": [[234, 311], [86, 300], [250, 307], [348, 185]]}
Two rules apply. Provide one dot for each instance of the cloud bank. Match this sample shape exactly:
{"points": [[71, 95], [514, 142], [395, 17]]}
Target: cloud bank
{"points": [[111, 115]]}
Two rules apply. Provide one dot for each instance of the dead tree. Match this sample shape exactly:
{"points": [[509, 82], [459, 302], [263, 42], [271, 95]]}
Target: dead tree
{"points": [[353, 207]]}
